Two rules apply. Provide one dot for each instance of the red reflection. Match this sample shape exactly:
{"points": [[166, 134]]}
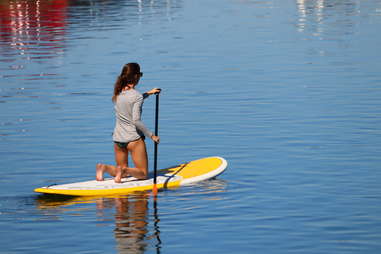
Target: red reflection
{"points": [[25, 24]]}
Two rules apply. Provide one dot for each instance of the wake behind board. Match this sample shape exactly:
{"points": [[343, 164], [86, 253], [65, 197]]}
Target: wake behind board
{"points": [[184, 174]]}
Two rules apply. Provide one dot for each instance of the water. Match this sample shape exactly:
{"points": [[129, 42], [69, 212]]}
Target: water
{"points": [[288, 91]]}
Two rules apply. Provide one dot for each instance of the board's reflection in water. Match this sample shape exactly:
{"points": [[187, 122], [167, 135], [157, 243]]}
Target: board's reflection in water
{"points": [[134, 217]]}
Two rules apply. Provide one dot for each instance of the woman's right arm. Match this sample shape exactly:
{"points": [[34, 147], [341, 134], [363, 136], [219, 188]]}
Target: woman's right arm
{"points": [[136, 118], [150, 92]]}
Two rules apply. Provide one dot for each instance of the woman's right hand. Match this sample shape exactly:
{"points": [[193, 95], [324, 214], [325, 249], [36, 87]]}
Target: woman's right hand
{"points": [[154, 91], [155, 139]]}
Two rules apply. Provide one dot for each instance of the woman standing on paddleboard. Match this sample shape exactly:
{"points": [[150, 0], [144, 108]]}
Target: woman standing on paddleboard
{"points": [[130, 131]]}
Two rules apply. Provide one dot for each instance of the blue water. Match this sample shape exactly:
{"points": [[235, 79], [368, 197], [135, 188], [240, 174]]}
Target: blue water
{"points": [[288, 91]]}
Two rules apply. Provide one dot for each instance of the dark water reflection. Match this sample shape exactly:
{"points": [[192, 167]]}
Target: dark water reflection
{"points": [[130, 224], [131, 216]]}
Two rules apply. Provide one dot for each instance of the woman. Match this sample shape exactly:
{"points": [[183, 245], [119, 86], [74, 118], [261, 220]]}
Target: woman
{"points": [[129, 132]]}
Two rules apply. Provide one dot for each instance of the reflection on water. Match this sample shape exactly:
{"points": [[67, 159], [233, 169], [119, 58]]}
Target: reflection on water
{"points": [[131, 217], [315, 16], [32, 29], [320, 16], [136, 220], [36, 31], [130, 221]]}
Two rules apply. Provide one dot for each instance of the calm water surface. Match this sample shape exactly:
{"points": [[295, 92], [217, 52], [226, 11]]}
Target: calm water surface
{"points": [[288, 91]]}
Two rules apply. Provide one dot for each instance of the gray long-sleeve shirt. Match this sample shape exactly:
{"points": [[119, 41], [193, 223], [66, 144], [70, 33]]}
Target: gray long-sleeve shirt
{"points": [[128, 110]]}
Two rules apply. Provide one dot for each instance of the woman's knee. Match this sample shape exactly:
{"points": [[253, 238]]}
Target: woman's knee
{"points": [[144, 176]]}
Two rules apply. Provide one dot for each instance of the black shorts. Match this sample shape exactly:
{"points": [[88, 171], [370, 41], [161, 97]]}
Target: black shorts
{"points": [[123, 145]]}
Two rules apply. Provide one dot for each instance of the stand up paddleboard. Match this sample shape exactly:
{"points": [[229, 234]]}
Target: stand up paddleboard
{"points": [[184, 174]]}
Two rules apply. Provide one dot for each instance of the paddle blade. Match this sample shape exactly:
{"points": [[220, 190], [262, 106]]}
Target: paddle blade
{"points": [[154, 190]]}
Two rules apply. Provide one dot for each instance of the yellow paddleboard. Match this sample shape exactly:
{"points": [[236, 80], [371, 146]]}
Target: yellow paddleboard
{"points": [[184, 174]]}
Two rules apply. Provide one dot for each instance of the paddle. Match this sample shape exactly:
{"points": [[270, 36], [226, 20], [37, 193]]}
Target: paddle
{"points": [[154, 190]]}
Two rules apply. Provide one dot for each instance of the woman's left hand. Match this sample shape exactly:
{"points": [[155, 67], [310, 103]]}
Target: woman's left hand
{"points": [[154, 91]]}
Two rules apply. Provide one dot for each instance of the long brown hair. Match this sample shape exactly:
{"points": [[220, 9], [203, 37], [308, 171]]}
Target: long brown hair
{"points": [[129, 76]]}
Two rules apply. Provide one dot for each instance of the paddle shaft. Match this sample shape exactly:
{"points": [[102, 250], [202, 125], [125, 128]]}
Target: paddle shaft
{"points": [[156, 224], [156, 134]]}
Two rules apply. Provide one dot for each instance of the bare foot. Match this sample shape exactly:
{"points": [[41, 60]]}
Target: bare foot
{"points": [[118, 175], [99, 172]]}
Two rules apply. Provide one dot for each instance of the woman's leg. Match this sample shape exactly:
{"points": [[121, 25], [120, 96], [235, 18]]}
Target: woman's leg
{"points": [[139, 156], [121, 159]]}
